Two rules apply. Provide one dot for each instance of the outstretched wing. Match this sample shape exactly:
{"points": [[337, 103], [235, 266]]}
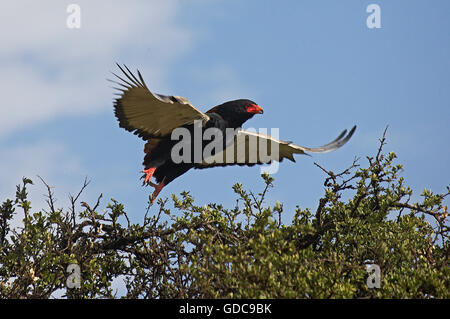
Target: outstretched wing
{"points": [[250, 148], [148, 114]]}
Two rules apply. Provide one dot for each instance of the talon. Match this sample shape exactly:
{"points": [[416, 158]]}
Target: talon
{"points": [[149, 173]]}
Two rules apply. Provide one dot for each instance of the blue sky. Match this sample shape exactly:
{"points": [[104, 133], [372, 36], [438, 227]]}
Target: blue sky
{"points": [[314, 67]]}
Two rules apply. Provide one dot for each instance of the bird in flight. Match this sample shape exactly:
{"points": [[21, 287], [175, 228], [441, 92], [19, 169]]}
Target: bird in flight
{"points": [[155, 118]]}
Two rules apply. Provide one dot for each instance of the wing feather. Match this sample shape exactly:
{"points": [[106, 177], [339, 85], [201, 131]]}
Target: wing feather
{"points": [[251, 148], [148, 114]]}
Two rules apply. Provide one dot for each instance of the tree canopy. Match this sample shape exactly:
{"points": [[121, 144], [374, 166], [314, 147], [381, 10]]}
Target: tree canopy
{"points": [[364, 218]]}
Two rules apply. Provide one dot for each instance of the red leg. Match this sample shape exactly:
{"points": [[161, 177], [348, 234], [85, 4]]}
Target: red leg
{"points": [[158, 188]]}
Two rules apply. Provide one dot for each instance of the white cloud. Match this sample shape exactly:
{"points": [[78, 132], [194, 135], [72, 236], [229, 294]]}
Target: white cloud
{"points": [[49, 70]]}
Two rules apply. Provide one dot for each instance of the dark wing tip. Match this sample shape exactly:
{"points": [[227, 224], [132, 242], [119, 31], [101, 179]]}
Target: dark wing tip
{"points": [[352, 130], [128, 79], [335, 144]]}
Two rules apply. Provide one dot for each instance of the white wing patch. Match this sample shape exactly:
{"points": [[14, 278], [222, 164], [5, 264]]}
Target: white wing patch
{"points": [[250, 148]]}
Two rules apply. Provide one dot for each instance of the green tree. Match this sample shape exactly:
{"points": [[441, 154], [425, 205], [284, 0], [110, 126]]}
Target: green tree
{"points": [[365, 217]]}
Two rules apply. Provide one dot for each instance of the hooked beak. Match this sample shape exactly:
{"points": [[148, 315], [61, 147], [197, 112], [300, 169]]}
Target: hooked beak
{"points": [[255, 109]]}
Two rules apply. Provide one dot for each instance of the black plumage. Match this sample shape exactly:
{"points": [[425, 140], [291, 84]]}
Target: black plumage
{"points": [[154, 117]]}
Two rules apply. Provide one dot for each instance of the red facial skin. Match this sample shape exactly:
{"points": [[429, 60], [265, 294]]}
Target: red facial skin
{"points": [[255, 109]]}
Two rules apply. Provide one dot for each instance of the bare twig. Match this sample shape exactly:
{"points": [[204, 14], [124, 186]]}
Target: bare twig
{"points": [[73, 200], [50, 200]]}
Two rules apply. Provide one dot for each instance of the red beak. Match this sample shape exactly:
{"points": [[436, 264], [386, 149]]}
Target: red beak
{"points": [[255, 109]]}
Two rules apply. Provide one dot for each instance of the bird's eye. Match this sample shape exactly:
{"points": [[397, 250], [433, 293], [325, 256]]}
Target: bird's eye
{"points": [[254, 109]]}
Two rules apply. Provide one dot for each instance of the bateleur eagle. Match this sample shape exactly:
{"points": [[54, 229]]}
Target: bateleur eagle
{"points": [[154, 117]]}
